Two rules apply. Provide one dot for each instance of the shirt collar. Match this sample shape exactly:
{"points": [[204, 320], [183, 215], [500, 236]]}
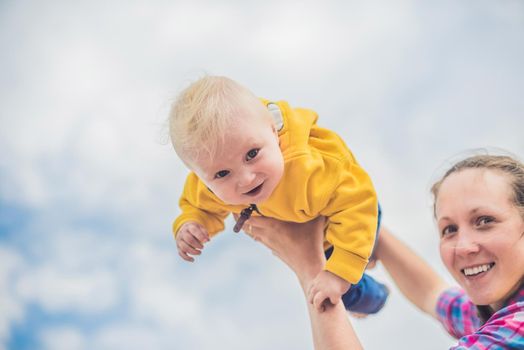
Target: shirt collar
{"points": [[516, 297]]}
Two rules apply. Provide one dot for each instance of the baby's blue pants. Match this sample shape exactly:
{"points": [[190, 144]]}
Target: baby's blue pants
{"points": [[367, 296]]}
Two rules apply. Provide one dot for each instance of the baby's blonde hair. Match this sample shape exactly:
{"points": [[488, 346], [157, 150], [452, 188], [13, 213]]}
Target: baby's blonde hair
{"points": [[202, 114]]}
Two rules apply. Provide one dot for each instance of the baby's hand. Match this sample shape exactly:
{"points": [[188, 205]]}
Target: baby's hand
{"points": [[327, 287], [190, 239]]}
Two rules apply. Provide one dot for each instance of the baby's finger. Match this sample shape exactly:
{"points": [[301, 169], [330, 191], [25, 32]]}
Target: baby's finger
{"points": [[186, 248], [184, 256], [182, 243], [192, 241], [178, 245], [333, 299], [312, 292], [313, 287], [201, 234], [318, 301]]}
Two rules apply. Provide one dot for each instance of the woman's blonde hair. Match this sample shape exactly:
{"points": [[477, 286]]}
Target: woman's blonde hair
{"points": [[202, 113], [510, 166]]}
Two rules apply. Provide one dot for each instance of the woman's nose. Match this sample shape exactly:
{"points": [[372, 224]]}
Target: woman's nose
{"points": [[466, 244]]}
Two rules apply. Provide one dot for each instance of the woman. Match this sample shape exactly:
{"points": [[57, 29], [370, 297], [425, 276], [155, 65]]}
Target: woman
{"points": [[479, 209]]}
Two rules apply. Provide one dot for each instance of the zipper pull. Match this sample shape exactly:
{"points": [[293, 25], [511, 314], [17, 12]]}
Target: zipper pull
{"points": [[244, 215]]}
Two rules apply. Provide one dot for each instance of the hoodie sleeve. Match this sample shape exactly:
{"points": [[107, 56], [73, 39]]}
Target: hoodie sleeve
{"points": [[352, 212], [200, 205]]}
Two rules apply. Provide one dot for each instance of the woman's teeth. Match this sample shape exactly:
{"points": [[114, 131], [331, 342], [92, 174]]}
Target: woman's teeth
{"points": [[471, 271]]}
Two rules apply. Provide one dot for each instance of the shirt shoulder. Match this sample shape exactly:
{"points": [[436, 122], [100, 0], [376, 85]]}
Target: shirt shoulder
{"points": [[457, 313], [504, 330]]}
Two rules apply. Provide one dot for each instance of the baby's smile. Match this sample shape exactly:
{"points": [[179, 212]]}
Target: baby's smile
{"points": [[255, 190]]}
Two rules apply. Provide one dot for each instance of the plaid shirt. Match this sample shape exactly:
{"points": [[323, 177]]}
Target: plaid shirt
{"points": [[503, 330]]}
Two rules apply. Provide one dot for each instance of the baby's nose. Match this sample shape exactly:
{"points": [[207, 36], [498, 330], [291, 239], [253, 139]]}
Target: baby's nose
{"points": [[246, 178]]}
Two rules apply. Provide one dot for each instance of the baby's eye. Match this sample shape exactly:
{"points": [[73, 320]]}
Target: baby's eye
{"points": [[252, 154], [221, 174], [448, 229], [484, 220]]}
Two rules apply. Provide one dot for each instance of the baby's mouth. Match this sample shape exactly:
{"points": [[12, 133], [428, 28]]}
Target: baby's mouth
{"points": [[477, 270], [255, 190]]}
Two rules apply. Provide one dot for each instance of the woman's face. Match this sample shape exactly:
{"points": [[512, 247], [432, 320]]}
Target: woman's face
{"points": [[481, 234]]}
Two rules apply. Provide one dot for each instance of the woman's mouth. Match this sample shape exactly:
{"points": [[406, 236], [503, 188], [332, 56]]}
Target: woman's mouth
{"points": [[255, 190], [477, 270]]}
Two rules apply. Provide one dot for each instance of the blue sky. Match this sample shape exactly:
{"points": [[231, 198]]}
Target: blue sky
{"points": [[88, 188]]}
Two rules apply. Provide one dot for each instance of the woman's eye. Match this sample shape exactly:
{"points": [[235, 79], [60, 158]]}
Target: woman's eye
{"points": [[252, 154], [484, 220], [221, 174], [449, 229]]}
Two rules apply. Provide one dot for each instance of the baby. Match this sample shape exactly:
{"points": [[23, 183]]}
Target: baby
{"points": [[251, 155]]}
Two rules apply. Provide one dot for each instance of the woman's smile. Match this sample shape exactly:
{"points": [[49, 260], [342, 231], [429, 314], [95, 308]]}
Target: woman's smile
{"points": [[478, 270]]}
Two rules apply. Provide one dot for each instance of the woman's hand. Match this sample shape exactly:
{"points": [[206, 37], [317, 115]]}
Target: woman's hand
{"points": [[300, 246]]}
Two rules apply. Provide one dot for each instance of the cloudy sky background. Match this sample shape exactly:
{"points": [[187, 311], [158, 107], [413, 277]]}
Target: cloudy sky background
{"points": [[88, 190]]}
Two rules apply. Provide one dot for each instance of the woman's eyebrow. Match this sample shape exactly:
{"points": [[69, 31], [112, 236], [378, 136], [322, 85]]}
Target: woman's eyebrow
{"points": [[444, 218], [480, 209]]}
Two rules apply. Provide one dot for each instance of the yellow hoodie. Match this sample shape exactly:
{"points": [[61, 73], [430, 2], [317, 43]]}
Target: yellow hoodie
{"points": [[321, 178]]}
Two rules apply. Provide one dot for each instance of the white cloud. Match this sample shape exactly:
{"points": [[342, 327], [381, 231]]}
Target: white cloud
{"points": [[58, 291], [68, 270], [62, 338], [131, 337], [13, 309], [157, 293]]}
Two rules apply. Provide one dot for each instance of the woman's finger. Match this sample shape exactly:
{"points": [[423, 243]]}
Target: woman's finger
{"points": [[261, 223], [247, 228], [254, 232], [371, 264]]}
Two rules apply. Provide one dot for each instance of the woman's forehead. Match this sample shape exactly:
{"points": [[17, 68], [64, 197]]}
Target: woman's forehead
{"points": [[472, 188], [477, 180]]}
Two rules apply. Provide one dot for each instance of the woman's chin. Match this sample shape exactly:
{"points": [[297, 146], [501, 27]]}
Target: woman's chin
{"points": [[480, 299], [486, 297]]}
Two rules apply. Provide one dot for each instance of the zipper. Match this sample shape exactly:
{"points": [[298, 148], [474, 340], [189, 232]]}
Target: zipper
{"points": [[245, 214]]}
